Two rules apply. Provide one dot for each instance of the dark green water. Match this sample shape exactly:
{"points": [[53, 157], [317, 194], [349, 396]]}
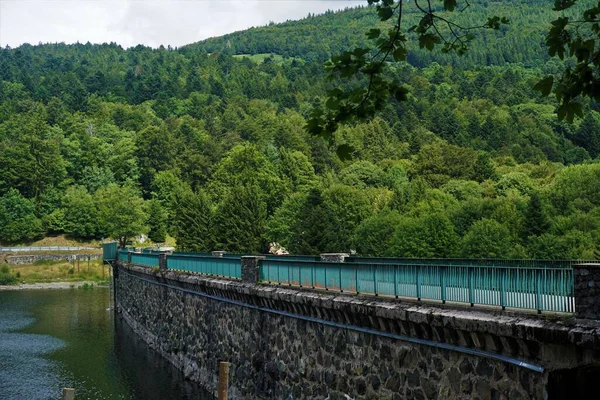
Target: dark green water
{"points": [[50, 339]]}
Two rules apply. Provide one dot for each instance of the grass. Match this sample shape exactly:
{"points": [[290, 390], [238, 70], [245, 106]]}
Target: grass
{"points": [[58, 240], [6, 278], [59, 271]]}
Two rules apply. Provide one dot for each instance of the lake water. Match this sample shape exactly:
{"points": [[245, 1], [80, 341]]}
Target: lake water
{"points": [[50, 339]]}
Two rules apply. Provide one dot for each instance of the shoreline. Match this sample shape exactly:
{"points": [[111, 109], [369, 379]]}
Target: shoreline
{"points": [[49, 285]]}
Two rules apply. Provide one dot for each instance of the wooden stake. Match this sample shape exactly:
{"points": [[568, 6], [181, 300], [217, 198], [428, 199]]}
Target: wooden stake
{"points": [[223, 380], [68, 394]]}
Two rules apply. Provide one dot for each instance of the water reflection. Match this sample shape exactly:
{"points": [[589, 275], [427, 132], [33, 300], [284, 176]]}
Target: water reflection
{"points": [[54, 339]]}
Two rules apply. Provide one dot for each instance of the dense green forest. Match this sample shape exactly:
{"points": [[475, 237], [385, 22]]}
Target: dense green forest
{"points": [[207, 143]]}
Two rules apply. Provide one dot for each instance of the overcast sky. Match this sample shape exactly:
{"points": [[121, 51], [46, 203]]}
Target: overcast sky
{"points": [[149, 22]]}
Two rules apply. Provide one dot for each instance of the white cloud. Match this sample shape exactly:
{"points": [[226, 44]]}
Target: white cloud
{"points": [[149, 22]]}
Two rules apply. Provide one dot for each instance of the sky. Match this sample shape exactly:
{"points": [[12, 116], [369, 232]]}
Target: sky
{"points": [[148, 22]]}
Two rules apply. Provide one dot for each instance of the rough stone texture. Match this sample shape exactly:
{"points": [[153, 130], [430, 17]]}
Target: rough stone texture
{"points": [[334, 257], [162, 261], [275, 356], [251, 268], [587, 290], [30, 259]]}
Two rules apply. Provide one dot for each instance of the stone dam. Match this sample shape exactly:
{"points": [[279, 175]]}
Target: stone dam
{"points": [[297, 343]]}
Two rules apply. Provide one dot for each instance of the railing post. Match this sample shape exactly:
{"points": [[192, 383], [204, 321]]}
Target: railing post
{"points": [[471, 290], [396, 280], [538, 290], [129, 257], [443, 272], [418, 279], [375, 279], [503, 273], [586, 285], [312, 274], [251, 268]]}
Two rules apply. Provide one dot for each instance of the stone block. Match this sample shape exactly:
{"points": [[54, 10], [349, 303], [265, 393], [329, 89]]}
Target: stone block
{"points": [[334, 257], [251, 268], [586, 281]]}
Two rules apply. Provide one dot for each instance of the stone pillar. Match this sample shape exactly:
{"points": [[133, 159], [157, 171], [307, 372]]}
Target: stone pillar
{"points": [[251, 268], [162, 261], [334, 257], [218, 253], [586, 279]]}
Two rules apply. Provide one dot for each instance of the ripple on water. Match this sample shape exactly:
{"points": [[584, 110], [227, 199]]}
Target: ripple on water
{"points": [[15, 321], [24, 372]]}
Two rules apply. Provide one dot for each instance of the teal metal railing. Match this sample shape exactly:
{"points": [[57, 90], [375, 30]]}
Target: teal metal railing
{"points": [[542, 285], [147, 260], [122, 255], [523, 263], [525, 287], [216, 266], [109, 251]]}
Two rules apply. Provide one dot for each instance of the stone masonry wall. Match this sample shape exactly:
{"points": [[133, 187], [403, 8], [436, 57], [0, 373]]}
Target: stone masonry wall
{"points": [[587, 290], [32, 258], [275, 356]]}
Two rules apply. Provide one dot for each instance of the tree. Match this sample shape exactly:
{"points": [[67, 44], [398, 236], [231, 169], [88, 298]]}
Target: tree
{"points": [[362, 101], [80, 213], [192, 221], [157, 221], [17, 218], [577, 37], [280, 225], [313, 231], [536, 221], [429, 236], [240, 220], [121, 212], [375, 235], [487, 239]]}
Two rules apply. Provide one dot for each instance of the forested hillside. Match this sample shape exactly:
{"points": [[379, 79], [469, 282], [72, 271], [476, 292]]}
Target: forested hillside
{"points": [[209, 146]]}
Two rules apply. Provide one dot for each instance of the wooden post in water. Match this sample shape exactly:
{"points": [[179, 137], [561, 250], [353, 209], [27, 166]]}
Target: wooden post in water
{"points": [[223, 380], [68, 394]]}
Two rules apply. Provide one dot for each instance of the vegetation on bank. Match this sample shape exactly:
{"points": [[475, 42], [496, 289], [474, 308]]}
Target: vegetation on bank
{"points": [[97, 141], [55, 271]]}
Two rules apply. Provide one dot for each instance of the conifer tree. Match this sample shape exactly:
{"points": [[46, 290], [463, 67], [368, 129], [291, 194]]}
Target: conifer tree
{"points": [[536, 221], [191, 221], [240, 220], [157, 221]]}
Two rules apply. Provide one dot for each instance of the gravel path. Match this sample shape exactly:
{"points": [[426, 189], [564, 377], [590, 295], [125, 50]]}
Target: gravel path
{"points": [[46, 285]]}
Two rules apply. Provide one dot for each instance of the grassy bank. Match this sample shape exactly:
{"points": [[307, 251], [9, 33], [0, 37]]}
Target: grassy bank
{"points": [[55, 271]]}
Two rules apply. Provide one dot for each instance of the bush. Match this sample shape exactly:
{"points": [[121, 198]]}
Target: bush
{"points": [[5, 276]]}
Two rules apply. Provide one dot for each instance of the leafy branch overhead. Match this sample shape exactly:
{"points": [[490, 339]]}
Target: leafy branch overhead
{"points": [[372, 86], [578, 39]]}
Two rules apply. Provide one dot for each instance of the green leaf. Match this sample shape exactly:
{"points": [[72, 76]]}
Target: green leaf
{"points": [[385, 13], [449, 5], [399, 54], [428, 41], [545, 85], [560, 5], [373, 33], [344, 152]]}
